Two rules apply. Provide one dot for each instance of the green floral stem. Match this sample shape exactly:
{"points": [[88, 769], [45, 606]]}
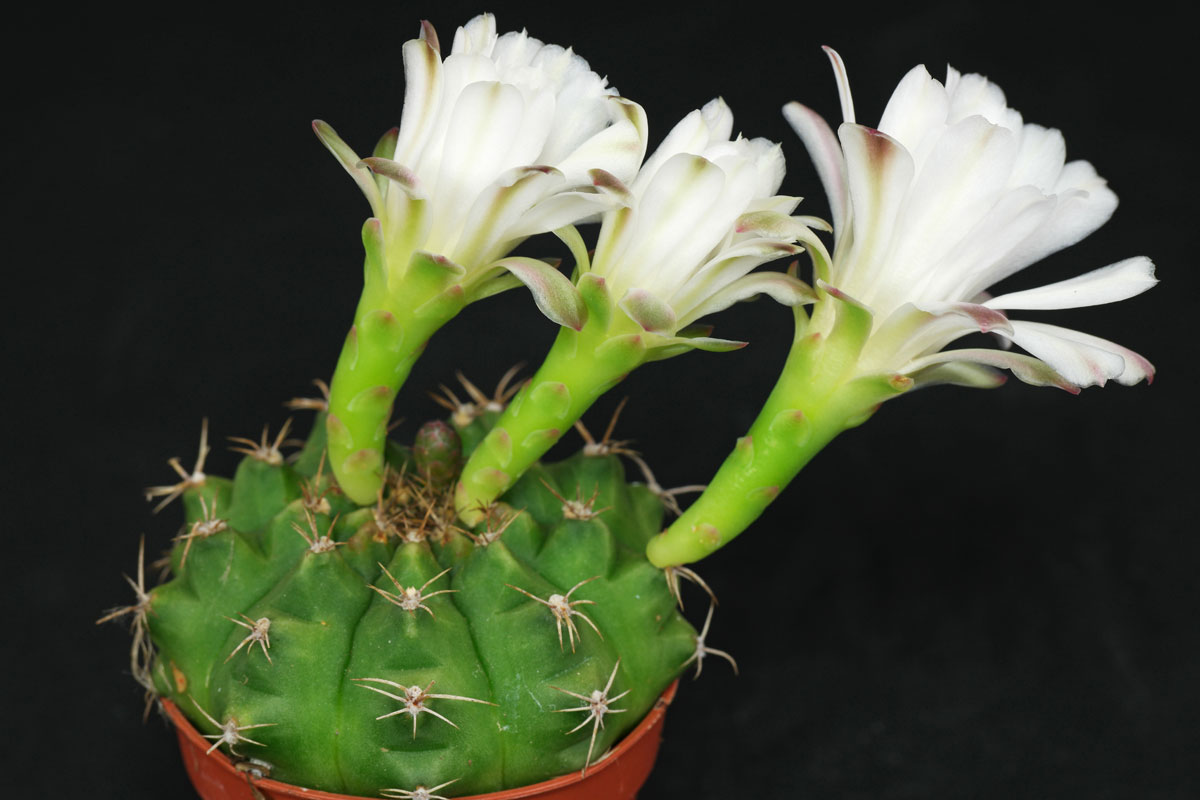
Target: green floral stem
{"points": [[580, 367], [393, 322], [818, 395]]}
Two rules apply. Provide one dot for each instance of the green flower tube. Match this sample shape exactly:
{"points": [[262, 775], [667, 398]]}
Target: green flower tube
{"points": [[580, 367], [819, 394]]}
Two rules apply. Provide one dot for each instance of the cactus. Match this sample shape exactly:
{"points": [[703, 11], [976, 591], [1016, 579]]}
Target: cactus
{"points": [[361, 648]]}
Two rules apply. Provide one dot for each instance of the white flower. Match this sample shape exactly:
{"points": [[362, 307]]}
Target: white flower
{"points": [[951, 194], [685, 237], [495, 144]]}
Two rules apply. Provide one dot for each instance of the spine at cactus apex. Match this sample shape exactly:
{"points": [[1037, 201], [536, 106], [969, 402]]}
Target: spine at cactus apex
{"points": [[399, 310]]}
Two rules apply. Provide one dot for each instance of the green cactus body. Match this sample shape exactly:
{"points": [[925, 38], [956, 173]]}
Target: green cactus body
{"points": [[355, 684]]}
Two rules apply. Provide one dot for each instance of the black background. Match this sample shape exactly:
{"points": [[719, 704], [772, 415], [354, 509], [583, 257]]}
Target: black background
{"points": [[977, 594]]}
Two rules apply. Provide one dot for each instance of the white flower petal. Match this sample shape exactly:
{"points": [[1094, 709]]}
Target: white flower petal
{"points": [[916, 111], [780, 287], [1077, 213], [422, 90], [1080, 355], [559, 210], [1041, 159], [478, 147], [477, 36], [968, 267], [617, 149], [910, 332], [1031, 370], [843, 84], [959, 184], [975, 96], [498, 208], [724, 269], [1109, 284], [878, 173], [685, 191], [692, 135], [1083, 363], [826, 154]]}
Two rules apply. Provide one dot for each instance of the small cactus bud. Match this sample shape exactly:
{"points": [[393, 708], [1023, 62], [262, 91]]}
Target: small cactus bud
{"points": [[437, 453]]}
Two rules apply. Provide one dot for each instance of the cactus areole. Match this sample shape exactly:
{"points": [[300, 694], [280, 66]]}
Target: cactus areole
{"points": [[360, 648]]}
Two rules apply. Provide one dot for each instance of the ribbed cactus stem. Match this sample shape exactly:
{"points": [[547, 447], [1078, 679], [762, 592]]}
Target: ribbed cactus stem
{"points": [[367, 648], [818, 395], [580, 367], [398, 312]]}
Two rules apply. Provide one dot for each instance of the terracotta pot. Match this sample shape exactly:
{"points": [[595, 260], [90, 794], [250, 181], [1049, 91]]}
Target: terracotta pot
{"points": [[616, 777]]}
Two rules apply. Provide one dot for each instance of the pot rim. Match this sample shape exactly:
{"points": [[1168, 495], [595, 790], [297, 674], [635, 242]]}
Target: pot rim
{"points": [[648, 724]]}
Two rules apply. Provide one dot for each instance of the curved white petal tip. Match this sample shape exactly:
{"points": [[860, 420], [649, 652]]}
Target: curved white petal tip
{"points": [[843, 82]]}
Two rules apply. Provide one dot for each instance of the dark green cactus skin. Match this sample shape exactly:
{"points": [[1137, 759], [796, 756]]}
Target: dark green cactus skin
{"points": [[486, 640]]}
